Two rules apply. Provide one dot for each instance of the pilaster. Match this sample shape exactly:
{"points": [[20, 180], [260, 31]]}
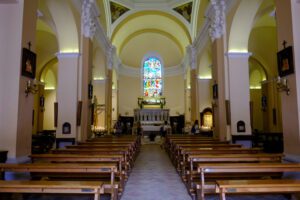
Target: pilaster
{"points": [[67, 94], [239, 93]]}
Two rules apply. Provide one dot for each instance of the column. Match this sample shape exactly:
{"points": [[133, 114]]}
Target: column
{"points": [[89, 13], [86, 95], [67, 94], [219, 107], [239, 93], [194, 83], [108, 99], [288, 28], [216, 33]]}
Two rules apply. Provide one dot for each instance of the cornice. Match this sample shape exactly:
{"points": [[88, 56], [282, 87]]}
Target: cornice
{"points": [[61, 55], [136, 72], [238, 54]]}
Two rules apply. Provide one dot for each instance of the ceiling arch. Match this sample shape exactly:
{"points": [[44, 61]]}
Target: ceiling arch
{"points": [[157, 31], [65, 24], [165, 33], [242, 25]]}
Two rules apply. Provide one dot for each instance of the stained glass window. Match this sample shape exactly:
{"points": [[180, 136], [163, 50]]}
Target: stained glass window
{"points": [[152, 80]]}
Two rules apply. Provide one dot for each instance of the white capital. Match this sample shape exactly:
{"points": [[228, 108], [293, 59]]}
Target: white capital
{"points": [[217, 19]]}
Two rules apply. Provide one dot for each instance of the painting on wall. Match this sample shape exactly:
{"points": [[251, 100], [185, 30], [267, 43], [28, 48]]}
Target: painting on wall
{"points": [[185, 10], [285, 61], [28, 63], [116, 11]]}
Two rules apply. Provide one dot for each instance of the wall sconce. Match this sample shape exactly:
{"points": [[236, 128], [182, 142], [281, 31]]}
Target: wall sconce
{"points": [[31, 87], [282, 85]]}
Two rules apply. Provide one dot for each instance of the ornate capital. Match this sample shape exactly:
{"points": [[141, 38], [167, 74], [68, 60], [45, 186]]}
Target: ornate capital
{"points": [[110, 57], [89, 16], [192, 52], [217, 19]]}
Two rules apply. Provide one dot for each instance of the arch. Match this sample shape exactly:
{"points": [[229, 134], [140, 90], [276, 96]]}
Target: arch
{"points": [[151, 20], [132, 15], [152, 75], [152, 30], [65, 26], [46, 68], [242, 24]]}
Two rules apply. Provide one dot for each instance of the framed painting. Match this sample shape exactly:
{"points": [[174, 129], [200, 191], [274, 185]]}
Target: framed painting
{"points": [[28, 63], [285, 61]]}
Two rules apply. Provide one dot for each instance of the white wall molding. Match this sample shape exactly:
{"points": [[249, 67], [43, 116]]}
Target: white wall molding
{"points": [[136, 72], [238, 54], [61, 55]]}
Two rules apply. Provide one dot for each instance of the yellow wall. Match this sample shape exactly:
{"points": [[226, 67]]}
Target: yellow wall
{"points": [[50, 98], [174, 93], [205, 94], [255, 97], [129, 91], [99, 92]]}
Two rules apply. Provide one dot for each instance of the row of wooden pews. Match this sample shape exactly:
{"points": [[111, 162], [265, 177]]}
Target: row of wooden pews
{"points": [[209, 166], [104, 162]]}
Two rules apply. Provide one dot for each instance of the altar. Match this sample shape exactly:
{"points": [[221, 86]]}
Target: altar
{"points": [[151, 119], [151, 113]]}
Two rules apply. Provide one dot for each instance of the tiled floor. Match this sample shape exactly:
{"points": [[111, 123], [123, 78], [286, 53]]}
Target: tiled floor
{"points": [[154, 178]]}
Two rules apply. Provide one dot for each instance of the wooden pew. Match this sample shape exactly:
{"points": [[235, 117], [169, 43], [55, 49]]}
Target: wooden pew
{"points": [[89, 171], [128, 159], [88, 146], [184, 152], [212, 172], [47, 187], [257, 186], [78, 158], [175, 152], [194, 160]]}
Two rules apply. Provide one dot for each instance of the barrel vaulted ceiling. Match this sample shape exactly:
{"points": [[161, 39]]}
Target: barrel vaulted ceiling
{"points": [[138, 27]]}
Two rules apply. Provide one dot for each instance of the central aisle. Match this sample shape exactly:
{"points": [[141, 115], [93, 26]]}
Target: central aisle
{"points": [[154, 178]]}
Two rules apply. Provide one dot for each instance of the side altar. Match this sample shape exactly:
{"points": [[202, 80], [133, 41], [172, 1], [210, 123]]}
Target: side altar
{"points": [[151, 113]]}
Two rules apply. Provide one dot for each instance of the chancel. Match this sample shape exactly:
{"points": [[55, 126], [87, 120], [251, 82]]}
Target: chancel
{"points": [[149, 99]]}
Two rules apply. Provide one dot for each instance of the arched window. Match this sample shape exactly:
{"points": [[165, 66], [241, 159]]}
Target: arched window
{"points": [[152, 77]]}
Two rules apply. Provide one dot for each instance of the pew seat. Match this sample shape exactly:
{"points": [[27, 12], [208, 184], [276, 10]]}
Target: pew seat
{"points": [[257, 186], [63, 187], [210, 173]]}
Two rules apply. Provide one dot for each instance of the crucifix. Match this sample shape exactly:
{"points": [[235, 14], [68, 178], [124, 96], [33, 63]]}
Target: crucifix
{"points": [[29, 45], [284, 44]]}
